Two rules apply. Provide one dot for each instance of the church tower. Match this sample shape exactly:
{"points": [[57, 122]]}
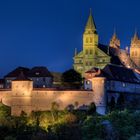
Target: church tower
{"points": [[135, 49], [115, 42], [90, 42], [91, 55]]}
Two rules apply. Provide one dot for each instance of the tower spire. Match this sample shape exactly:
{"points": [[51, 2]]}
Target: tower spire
{"points": [[115, 42], [90, 26], [115, 34], [136, 35]]}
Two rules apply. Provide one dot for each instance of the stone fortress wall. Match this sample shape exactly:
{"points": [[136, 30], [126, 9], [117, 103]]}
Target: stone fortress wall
{"points": [[22, 97]]}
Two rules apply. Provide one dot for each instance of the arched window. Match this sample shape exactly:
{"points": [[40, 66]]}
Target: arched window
{"points": [[90, 40], [135, 53], [86, 40], [91, 51], [86, 51]]}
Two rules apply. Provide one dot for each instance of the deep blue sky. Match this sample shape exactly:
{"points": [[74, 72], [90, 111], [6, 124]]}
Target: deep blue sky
{"points": [[45, 32]]}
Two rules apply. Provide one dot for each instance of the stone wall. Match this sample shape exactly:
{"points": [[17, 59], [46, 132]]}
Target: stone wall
{"points": [[22, 97]]}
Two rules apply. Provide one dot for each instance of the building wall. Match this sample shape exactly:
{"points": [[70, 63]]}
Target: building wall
{"points": [[135, 55], [42, 100], [123, 87], [99, 90], [22, 97], [40, 82]]}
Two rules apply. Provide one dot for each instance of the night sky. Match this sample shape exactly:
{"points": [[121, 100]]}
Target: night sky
{"points": [[46, 32]]}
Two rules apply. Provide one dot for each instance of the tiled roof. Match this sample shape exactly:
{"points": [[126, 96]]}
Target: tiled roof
{"points": [[112, 52], [2, 81], [119, 73], [17, 72], [92, 70], [34, 72], [22, 77], [39, 72]]}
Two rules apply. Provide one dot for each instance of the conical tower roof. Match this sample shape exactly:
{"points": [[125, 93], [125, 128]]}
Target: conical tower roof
{"points": [[136, 37], [90, 23], [114, 34]]}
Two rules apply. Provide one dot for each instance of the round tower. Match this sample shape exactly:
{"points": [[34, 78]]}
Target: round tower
{"points": [[21, 95], [99, 91]]}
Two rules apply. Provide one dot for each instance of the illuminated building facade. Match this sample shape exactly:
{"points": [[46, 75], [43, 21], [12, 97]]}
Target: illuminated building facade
{"points": [[92, 54], [135, 49]]}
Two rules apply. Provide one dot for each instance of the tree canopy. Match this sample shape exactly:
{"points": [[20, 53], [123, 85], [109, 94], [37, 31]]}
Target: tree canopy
{"points": [[71, 78]]}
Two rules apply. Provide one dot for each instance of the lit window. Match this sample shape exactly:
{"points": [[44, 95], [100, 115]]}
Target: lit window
{"points": [[86, 40], [87, 82], [37, 73], [90, 40], [124, 85]]}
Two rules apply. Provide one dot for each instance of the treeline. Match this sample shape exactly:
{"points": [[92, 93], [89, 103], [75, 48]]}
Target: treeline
{"points": [[69, 125]]}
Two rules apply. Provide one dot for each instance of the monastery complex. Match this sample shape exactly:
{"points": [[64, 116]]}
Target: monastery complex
{"points": [[110, 73]]}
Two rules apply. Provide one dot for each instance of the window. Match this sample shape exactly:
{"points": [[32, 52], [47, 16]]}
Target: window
{"points": [[44, 79], [135, 53], [86, 51], [80, 61], [132, 53], [90, 63], [124, 85], [86, 63], [86, 40], [90, 40], [87, 82], [8, 81], [91, 51], [37, 73]]}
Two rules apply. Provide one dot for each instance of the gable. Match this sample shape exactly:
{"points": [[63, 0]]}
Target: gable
{"points": [[79, 55], [100, 53]]}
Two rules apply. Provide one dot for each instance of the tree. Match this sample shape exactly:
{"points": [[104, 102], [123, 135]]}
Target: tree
{"points": [[76, 104], [54, 110], [112, 104], [92, 109], [72, 79]]}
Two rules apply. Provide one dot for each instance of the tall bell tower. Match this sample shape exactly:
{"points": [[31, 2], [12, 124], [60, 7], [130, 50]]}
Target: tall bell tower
{"points": [[90, 43]]}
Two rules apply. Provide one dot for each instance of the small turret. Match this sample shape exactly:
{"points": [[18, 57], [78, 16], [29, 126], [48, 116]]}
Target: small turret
{"points": [[135, 38], [115, 42], [135, 49], [100, 95], [21, 95]]}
